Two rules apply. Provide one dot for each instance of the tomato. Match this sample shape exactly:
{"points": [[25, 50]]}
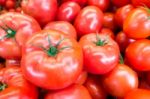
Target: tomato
{"points": [[14, 86], [95, 87], [138, 94], [82, 77], [80, 2], [123, 41], [15, 29], [88, 20], [43, 11], [137, 23], [122, 13], [102, 4], [120, 80], [109, 21], [141, 3], [68, 11], [64, 27], [12, 62], [10, 4], [137, 54], [2, 2], [72, 92], [101, 53], [56, 60], [107, 32], [120, 3]]}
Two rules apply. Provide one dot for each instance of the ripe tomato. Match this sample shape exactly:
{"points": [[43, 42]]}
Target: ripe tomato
{"points": [[122, 13], [137, 54], [82, 77], [64, 27], [56, 60], [12, 62], [72, 92], [123, 41], [95, 87], [120, 3], [120, 80], [2, 2], [14, 86], [102, 4], [137, 23], [68, 11], [109, 21], [43, 11], [10, 4], [15, 29], [80, 2], [141, 3], [107, 32], [88, 20], [101, 53], [138, 94]]}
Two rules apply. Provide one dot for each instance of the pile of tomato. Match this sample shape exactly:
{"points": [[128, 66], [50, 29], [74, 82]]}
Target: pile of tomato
{"points": [[74, 49]]}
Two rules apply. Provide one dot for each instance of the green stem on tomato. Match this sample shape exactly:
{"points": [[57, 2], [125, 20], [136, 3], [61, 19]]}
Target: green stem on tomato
{"points": [[121, 61], [3, 86]]}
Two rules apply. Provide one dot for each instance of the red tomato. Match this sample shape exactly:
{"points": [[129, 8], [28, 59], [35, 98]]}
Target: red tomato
{"points": [[107, 32], [138, 94], [56, 60], [43, 11], [122, 13], [120, 80], [120, 3], [80, 2], [123, 41], [14, 86], [10, 4], [88, 20], [109, 21], [137, 24], [72, 92], [64, 27], [2, 2], [12, 62], [137, 54], [141, 3], [101, 53], [95, 87], [68, 11], [82, 77], [15, 29], [102, 4]]}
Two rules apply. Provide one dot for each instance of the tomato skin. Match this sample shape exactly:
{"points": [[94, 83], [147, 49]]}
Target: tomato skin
{"points": [[95, 87], [11, 62], [122, 13], [82, 77], [141, 3], [120, 80], [123, 41], [136, 25], [109, 21], [82, 3], [120, 3], [23, 25], [68, 11], [52, 72], [137, 54], [43, 13], [10, 4], [64, 27], [98, 59], [72, 92], [89, 20], [107, 32], [2, 2], [102, 4], [138, 94], [18, 86]]}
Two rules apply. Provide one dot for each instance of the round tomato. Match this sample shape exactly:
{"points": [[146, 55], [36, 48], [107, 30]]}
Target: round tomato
{"points": [[138, 55], [64, 27], [52, 60], [68, 11], [120, 80], [101, 53], [15, 29], [43, 11], [14, 86], [88, 20], [137, 23]]}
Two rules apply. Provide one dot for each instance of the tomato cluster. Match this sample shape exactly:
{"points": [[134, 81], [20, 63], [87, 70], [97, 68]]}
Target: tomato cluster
{"points": [[74, 49]]}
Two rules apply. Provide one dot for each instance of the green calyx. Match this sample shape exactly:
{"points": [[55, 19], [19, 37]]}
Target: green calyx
{"points": [[52, 51], [2, 86], [100, 43]]}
